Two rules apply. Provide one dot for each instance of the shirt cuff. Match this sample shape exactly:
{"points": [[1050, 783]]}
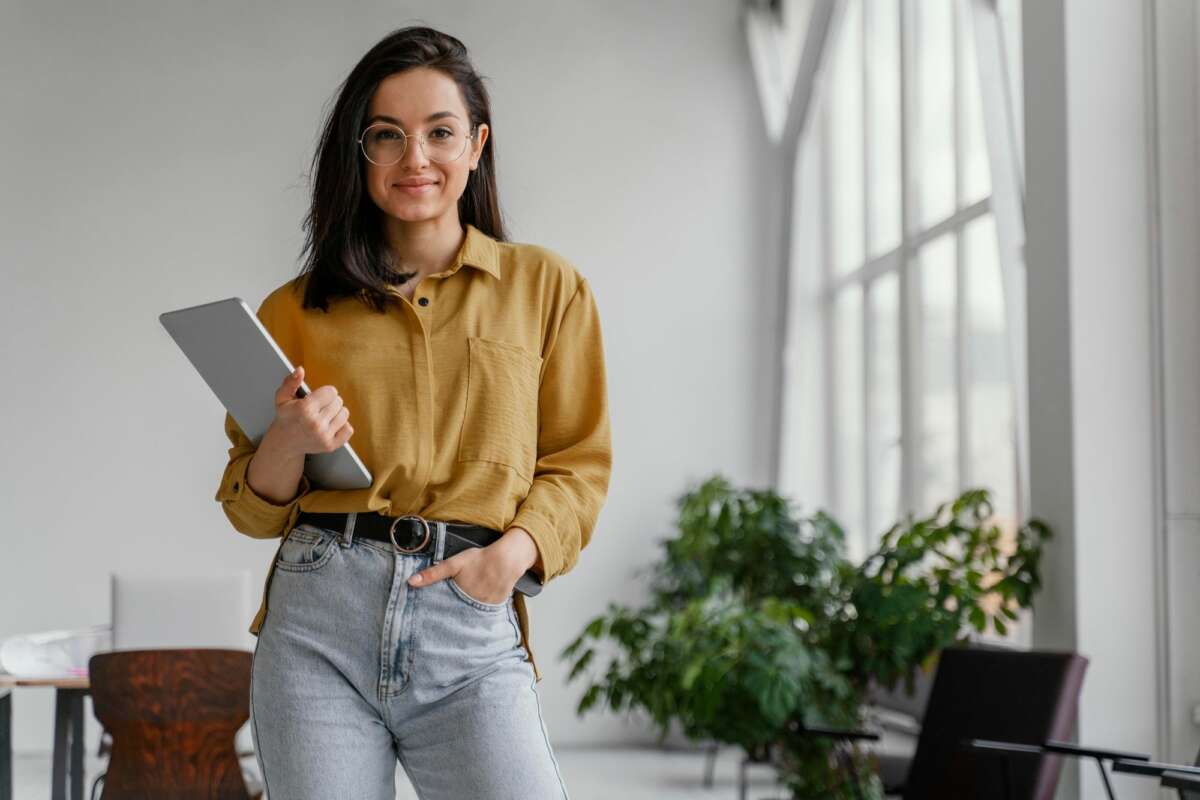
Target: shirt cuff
{"points": [[258, 516], [541, 530]]}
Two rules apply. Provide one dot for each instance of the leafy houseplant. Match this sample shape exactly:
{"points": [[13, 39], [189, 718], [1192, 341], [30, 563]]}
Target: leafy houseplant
{"points": [[758, 625]]}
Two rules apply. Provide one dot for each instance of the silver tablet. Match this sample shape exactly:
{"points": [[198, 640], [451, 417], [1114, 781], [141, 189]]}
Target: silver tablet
{"points": [[228, 345]]}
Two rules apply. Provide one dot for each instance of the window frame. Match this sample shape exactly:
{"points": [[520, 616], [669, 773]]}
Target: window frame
{"points": [[980, 20]]}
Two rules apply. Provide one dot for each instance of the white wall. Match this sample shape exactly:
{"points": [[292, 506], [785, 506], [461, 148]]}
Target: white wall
{"points": [[1111, 327], [1091, 355], [153, 157], [1178, 137]]}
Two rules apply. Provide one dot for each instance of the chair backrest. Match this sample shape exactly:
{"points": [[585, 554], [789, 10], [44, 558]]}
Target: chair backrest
{"points": [[986, 693], [172, 715]]}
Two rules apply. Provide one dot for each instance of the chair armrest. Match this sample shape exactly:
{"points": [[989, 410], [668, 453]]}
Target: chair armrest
{"points": [[1173, 779], [1003, 747], [832, 733], [1056, 748], [1153, 768], [1069, 749]]}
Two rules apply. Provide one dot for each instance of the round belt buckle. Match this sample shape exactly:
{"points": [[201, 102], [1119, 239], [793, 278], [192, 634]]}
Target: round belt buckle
{"points": [[392, 533]]}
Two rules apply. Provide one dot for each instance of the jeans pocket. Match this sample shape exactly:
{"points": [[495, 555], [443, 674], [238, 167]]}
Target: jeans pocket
{"points": [[307, 548], [493, 608]]}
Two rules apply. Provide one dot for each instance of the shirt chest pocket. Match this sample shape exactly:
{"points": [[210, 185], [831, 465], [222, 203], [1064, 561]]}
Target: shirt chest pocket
{"points": [[501, 421]]}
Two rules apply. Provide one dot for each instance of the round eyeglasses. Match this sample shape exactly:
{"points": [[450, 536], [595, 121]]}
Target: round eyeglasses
{"points": [[384, 144]]}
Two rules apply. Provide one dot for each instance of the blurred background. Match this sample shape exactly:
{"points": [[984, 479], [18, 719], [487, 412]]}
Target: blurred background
{"points": [[867, 253]]}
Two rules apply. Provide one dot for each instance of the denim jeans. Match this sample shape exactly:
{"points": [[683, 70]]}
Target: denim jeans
{"points": [[354, 669]]}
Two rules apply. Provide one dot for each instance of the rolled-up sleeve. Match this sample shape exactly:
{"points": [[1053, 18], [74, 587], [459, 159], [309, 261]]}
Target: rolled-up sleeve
{"points": [[574, 448], [248, 511]]}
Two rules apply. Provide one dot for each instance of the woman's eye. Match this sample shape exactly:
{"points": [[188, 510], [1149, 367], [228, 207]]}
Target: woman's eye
{"points": [[442, 133]]}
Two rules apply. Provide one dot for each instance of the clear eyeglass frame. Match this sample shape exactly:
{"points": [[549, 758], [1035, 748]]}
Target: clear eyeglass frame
{"points": [[420, 137]]}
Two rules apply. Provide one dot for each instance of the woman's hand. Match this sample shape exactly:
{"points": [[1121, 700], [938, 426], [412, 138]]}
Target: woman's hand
{"points": [[488, 574], [315, 423]]}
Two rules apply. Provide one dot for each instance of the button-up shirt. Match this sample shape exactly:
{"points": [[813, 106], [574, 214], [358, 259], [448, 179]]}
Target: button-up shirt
{"points": [[482, 400]]}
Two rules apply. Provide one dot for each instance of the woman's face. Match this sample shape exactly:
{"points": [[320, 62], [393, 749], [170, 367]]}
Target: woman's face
{"points": [[421, 101]]}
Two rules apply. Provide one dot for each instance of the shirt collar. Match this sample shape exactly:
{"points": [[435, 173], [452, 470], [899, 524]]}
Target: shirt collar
{"points": [[480, 251]]}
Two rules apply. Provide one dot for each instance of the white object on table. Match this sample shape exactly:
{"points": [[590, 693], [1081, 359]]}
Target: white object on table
{"points": [[53, 654]]}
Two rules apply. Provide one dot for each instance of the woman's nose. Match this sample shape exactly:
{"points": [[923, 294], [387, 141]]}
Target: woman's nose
{"points": [[414, 152]]}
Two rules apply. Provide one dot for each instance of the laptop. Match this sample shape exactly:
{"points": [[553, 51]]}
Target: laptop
{"points": [[151, 611]]}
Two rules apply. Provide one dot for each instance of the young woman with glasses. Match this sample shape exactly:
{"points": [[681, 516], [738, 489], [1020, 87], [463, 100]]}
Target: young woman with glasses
{"points": [[393, 624]]}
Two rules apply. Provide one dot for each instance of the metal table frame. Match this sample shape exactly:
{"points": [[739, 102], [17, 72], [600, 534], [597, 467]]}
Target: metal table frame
{"points": [[67, 776]]}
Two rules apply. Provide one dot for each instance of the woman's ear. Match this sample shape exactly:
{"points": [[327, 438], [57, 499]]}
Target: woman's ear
{"points": [[481, 135]]}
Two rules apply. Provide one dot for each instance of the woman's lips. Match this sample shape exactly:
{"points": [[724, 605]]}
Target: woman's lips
{"points": [[422, 189]]}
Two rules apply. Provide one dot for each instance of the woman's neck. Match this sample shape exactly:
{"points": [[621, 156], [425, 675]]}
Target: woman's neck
{"points": [[424, 247]]}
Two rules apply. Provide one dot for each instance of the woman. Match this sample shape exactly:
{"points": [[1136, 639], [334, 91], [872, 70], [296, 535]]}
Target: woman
{"points": [[475, 372]]}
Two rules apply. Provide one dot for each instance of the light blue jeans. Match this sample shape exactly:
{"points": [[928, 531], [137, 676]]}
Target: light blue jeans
{"points": [[354, 669]]}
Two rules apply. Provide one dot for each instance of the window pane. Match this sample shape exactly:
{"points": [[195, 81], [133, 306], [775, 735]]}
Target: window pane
{"points": [[803, 471], [846, 143], [938, 456], [848, 404], [976, 173], [992, 461], [884, 399], [883, 124], [933, 139]]}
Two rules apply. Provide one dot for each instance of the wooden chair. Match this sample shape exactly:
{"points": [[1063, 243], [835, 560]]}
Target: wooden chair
{"points": [[173, 715]]}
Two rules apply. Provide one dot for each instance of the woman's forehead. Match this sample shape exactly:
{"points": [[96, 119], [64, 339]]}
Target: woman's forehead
{"points": [[416, 94]]}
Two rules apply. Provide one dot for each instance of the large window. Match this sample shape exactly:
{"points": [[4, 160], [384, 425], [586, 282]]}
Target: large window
{"points": [[899, 382]]}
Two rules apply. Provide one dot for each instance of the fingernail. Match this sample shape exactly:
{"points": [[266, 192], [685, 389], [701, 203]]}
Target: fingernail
{"points": [[415, 579]]}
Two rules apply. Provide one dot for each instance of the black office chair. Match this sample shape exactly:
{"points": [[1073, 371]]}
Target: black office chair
{"points": [[1027, 697], [982, 692]]}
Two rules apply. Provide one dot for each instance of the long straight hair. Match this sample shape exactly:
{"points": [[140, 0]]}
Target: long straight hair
{"points": [[345, 251]]}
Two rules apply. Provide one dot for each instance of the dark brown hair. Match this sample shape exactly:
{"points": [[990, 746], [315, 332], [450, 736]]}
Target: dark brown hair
{"points": [[345, 251]]}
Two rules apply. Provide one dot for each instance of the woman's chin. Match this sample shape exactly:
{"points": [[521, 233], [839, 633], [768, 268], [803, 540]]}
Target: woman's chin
{"points": [[413, 212]]}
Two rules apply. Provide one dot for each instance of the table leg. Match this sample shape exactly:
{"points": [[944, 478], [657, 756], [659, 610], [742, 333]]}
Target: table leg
{"points": [[58, 768], [67, 768], [6, 774], [77, 777]]}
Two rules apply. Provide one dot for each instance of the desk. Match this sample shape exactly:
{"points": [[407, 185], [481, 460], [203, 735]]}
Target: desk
{"points": [[68, 733]]}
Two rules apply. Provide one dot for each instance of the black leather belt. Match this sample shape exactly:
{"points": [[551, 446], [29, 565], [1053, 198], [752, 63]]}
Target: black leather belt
{"points": [[415, 535]]}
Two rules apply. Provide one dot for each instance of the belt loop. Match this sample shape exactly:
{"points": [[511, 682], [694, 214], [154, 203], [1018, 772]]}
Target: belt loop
{"points": [[439, 546], [348, 534]]}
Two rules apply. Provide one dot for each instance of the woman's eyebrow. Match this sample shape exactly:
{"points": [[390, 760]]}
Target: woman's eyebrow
{"points": [[394, 121]]}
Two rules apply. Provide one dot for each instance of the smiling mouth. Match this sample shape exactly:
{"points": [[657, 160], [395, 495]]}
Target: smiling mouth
{"points": [[424, 188]]}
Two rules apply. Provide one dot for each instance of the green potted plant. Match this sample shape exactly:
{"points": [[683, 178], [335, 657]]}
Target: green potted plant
{"points": [[758, 626]]}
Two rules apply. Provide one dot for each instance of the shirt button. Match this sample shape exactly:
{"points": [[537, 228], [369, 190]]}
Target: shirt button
{"points": [[423, 301]]}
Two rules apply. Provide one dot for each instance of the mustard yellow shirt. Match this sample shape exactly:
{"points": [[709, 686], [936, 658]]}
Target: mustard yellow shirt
{"points": [[486, 405]]}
